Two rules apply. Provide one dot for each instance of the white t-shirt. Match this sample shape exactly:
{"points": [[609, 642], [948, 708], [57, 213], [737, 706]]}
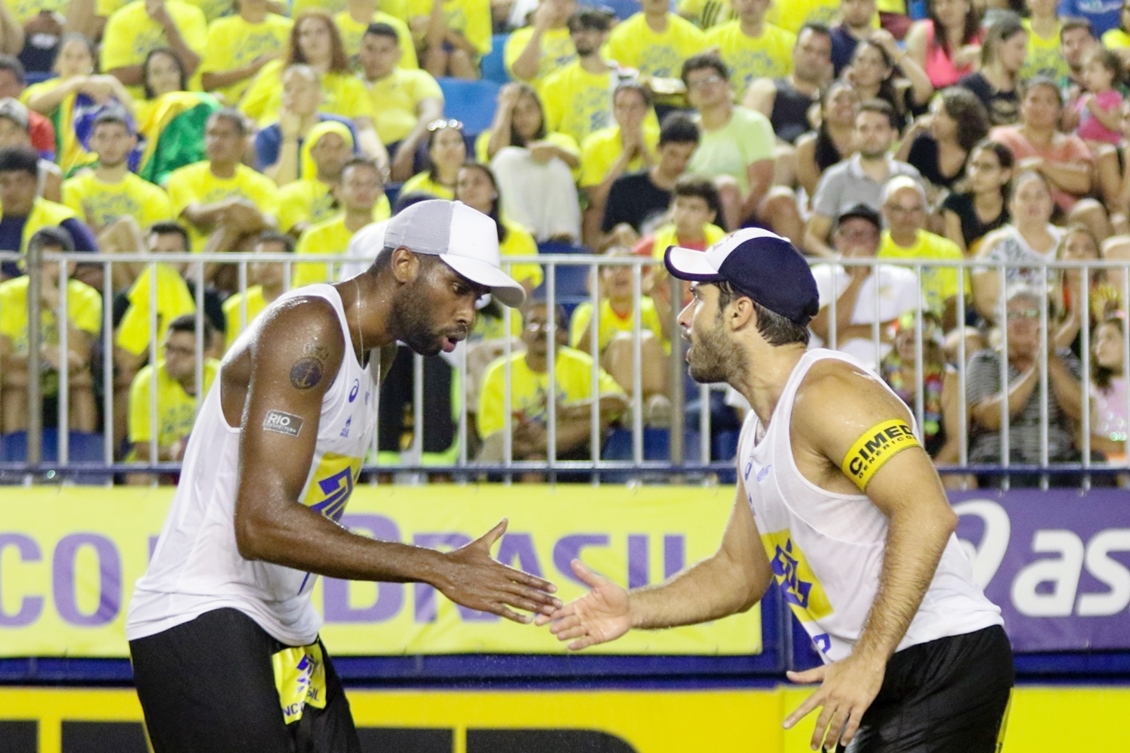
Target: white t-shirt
{"points": [[886, 294]]}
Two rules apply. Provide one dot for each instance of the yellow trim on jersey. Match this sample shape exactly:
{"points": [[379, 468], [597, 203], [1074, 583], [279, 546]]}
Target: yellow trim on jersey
{"points": [[874, 448]]}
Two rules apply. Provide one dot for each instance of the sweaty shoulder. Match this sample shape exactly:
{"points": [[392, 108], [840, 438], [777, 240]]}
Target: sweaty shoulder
{"points": [[297, 343], [838, 401]]}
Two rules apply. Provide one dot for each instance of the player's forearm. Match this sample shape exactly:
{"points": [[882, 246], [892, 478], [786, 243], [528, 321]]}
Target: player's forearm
{"points": [[914, 547], [305, 540], [707, 591]]}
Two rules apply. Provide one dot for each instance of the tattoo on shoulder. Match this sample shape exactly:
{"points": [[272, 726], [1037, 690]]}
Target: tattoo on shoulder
{"points": [[307, 372], [317, 350]]}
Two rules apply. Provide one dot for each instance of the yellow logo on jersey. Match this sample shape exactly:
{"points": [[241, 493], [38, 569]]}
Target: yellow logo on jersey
{"points": [[300, 678], [332, 484], [798, 583]]}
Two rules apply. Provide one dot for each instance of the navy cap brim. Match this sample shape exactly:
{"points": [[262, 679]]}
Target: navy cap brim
{"points": [[689, 264]]}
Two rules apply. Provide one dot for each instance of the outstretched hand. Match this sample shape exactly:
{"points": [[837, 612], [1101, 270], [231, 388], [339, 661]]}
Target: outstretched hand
{"points": [[599, 616], [478, 581], [847, 688]]}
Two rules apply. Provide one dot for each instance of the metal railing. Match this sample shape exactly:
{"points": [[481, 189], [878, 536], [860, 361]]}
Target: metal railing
{"points": [[678, 460]]}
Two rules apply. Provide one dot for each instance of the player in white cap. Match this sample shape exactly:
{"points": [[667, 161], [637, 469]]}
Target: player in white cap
{"points": [[223, 637], [839, 503]]}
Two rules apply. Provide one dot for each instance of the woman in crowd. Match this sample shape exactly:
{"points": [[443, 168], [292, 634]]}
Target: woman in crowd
{"points": [[1110, 414], [1062, 159], [477, 187], [171, 120], [617, 311], [534, 166], [873, 75], [972, 214], [1030, 237], [996, 83], [316, 42], [447, 151], [938, 144], [74, 98], [947, 43], [833, 140]]}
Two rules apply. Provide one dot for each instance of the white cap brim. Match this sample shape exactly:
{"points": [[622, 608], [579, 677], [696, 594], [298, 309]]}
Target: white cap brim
{"points": [[689, 264], [501, 285]]}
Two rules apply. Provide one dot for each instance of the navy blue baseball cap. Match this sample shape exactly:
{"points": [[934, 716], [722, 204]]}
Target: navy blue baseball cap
{"points": [[759, 264]]}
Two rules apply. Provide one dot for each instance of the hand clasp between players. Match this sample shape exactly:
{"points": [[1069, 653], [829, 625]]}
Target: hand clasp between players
{"points": [[478, 581], [601, 615]]}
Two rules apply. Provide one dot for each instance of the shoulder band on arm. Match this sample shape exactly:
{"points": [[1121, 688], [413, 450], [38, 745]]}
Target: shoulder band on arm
{"points": [[874, 448]]}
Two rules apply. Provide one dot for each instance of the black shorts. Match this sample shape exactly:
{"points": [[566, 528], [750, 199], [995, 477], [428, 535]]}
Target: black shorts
{"points": [[945, 696], [210, 685]]}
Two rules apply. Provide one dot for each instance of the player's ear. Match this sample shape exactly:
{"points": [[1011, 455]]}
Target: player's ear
{"points": [[741, 313], [405, 265]]}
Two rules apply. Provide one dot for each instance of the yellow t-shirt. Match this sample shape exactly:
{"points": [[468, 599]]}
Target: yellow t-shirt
{"points": [[343, 94], [794, 14], [99, 204], [609, 323], [707, 13], [131, 34], [519, 242], [557, 51], [423, 183], [196, 184], [25, 10], [938, 283], [233, 312], [234, 43], [172, 300], [632, 43], [768, 56], [603, 148], [1116, 39], [470, 18], [1044, 56], [328, 238], [396, 99], [665, 236], [84, 308], [176, 409], [308, 201], [351, 33], [577, 103], [529, 390]]}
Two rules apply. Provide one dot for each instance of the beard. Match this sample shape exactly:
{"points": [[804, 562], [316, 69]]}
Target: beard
{"points": [[411, 322], [712, 357]]}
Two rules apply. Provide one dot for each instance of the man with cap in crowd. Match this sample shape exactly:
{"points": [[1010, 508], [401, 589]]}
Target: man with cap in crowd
{"points": [[834, 484], [223, 635], [869, 299]]}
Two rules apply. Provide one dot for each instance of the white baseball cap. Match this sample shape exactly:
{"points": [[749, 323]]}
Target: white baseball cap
{"points": [[466, 240]]}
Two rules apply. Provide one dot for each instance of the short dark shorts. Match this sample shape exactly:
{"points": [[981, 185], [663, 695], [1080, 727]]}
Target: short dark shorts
{"points": [[945, 696], [210, 685]]}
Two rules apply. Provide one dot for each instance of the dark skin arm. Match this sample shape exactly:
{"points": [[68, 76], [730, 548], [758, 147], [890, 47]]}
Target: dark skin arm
{"points": [[288, 368]]}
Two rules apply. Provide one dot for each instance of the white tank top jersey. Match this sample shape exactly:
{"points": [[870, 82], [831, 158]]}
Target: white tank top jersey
{"points": [[197, 568], [826, 549]]}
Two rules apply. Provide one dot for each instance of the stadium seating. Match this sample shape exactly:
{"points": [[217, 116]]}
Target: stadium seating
{"points": [[83, 449], [493, 63], [472, 102]]}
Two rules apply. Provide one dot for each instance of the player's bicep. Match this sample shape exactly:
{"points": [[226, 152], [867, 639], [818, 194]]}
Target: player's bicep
{"points": [[742, 549], [293, 364]]}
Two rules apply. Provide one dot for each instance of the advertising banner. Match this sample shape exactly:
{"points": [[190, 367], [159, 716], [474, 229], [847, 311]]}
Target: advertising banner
{"points": [[1057, 563], [69, 558]]}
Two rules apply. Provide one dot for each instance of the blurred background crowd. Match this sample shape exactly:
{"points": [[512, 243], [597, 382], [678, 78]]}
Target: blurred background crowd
{"points": [[956, 170]]}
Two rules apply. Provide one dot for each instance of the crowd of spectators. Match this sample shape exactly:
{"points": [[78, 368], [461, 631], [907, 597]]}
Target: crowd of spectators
{"points": [[888, 148]]}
